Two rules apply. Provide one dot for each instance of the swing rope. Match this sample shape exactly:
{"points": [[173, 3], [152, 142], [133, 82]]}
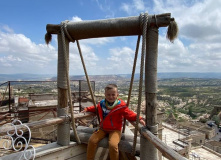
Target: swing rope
{"points": [[132, 78], [68, 82], [88, 81], [144, 20]]}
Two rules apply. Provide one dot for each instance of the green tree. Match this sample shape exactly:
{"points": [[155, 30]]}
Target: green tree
{"points": [[216, 119], [190, 112]]}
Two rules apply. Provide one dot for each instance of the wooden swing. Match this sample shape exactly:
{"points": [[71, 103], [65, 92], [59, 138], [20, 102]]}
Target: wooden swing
{"points": [[115, 27], [144, 18]]}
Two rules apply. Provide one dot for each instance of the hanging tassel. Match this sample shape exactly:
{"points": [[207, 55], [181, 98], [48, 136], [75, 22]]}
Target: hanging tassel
{"points": [[48, 38], [172, 31]]}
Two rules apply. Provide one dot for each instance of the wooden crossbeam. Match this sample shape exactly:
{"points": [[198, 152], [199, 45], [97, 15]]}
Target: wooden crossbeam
{"points": [[125, 26]]}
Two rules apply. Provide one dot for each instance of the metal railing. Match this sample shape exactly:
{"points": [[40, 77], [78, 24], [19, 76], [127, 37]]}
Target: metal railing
{"points": [[16, 140]]}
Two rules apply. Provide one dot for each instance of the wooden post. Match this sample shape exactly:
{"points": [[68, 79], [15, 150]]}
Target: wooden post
{"points": [[150, 90], [9, 96], [80, 97], [63, 132]]}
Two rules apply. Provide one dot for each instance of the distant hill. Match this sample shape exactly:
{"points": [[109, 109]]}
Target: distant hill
{"points": [[216, 75], [98, 78], [117, 77], [127, 77], [24, 77]]}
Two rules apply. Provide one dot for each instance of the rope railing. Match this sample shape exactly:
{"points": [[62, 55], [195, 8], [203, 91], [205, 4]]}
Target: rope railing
{"points": [[17, 140]]}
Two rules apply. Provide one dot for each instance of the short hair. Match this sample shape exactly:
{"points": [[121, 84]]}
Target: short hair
{"points": [[110, 86]]}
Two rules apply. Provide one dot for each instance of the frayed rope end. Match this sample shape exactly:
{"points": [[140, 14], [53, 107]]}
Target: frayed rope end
{"points": [[48, 38], [172, 31]]}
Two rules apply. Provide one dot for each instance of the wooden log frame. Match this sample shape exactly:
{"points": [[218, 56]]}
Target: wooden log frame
{"points": [[127, 27]]}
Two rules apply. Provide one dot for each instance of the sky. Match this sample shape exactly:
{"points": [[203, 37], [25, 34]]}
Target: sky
{"points": [[23, 26]]}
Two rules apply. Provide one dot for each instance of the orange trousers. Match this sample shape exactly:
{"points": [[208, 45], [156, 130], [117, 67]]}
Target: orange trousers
{"points": [[113, 140]]}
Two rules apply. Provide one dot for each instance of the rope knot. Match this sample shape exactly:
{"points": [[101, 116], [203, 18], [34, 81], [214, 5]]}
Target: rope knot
{"points": [[64, 28]]}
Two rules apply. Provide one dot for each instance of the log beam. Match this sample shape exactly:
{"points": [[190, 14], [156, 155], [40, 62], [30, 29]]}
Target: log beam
{"points": [[124, 145], [162, 147], [126, 26], [32, 125], [124, 137], [40, 124]]}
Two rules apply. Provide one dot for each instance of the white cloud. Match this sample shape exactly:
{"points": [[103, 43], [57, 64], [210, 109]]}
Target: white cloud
{"points": [[120, 60], [198, 47], [133, 7], [105, 6], [98, 41], [126, 7], [19, 54], [9, 60], [197, 20], [6, 28], [139, 5], [76, 19], [190, 58], [89, 57]]}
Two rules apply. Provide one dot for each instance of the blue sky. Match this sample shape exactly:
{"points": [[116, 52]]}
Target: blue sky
{"points": [[23, 26]]}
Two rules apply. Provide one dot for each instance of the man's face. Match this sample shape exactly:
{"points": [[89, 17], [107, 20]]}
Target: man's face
{"points": [[111, 95]]}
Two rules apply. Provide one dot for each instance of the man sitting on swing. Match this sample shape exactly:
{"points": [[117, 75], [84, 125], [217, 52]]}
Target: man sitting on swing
{"points": [[112, 111]]}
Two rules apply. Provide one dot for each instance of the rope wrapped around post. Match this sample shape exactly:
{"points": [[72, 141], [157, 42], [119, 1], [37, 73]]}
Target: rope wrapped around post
{"points": [[144, 21], [84, 67], [68, 83]]}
